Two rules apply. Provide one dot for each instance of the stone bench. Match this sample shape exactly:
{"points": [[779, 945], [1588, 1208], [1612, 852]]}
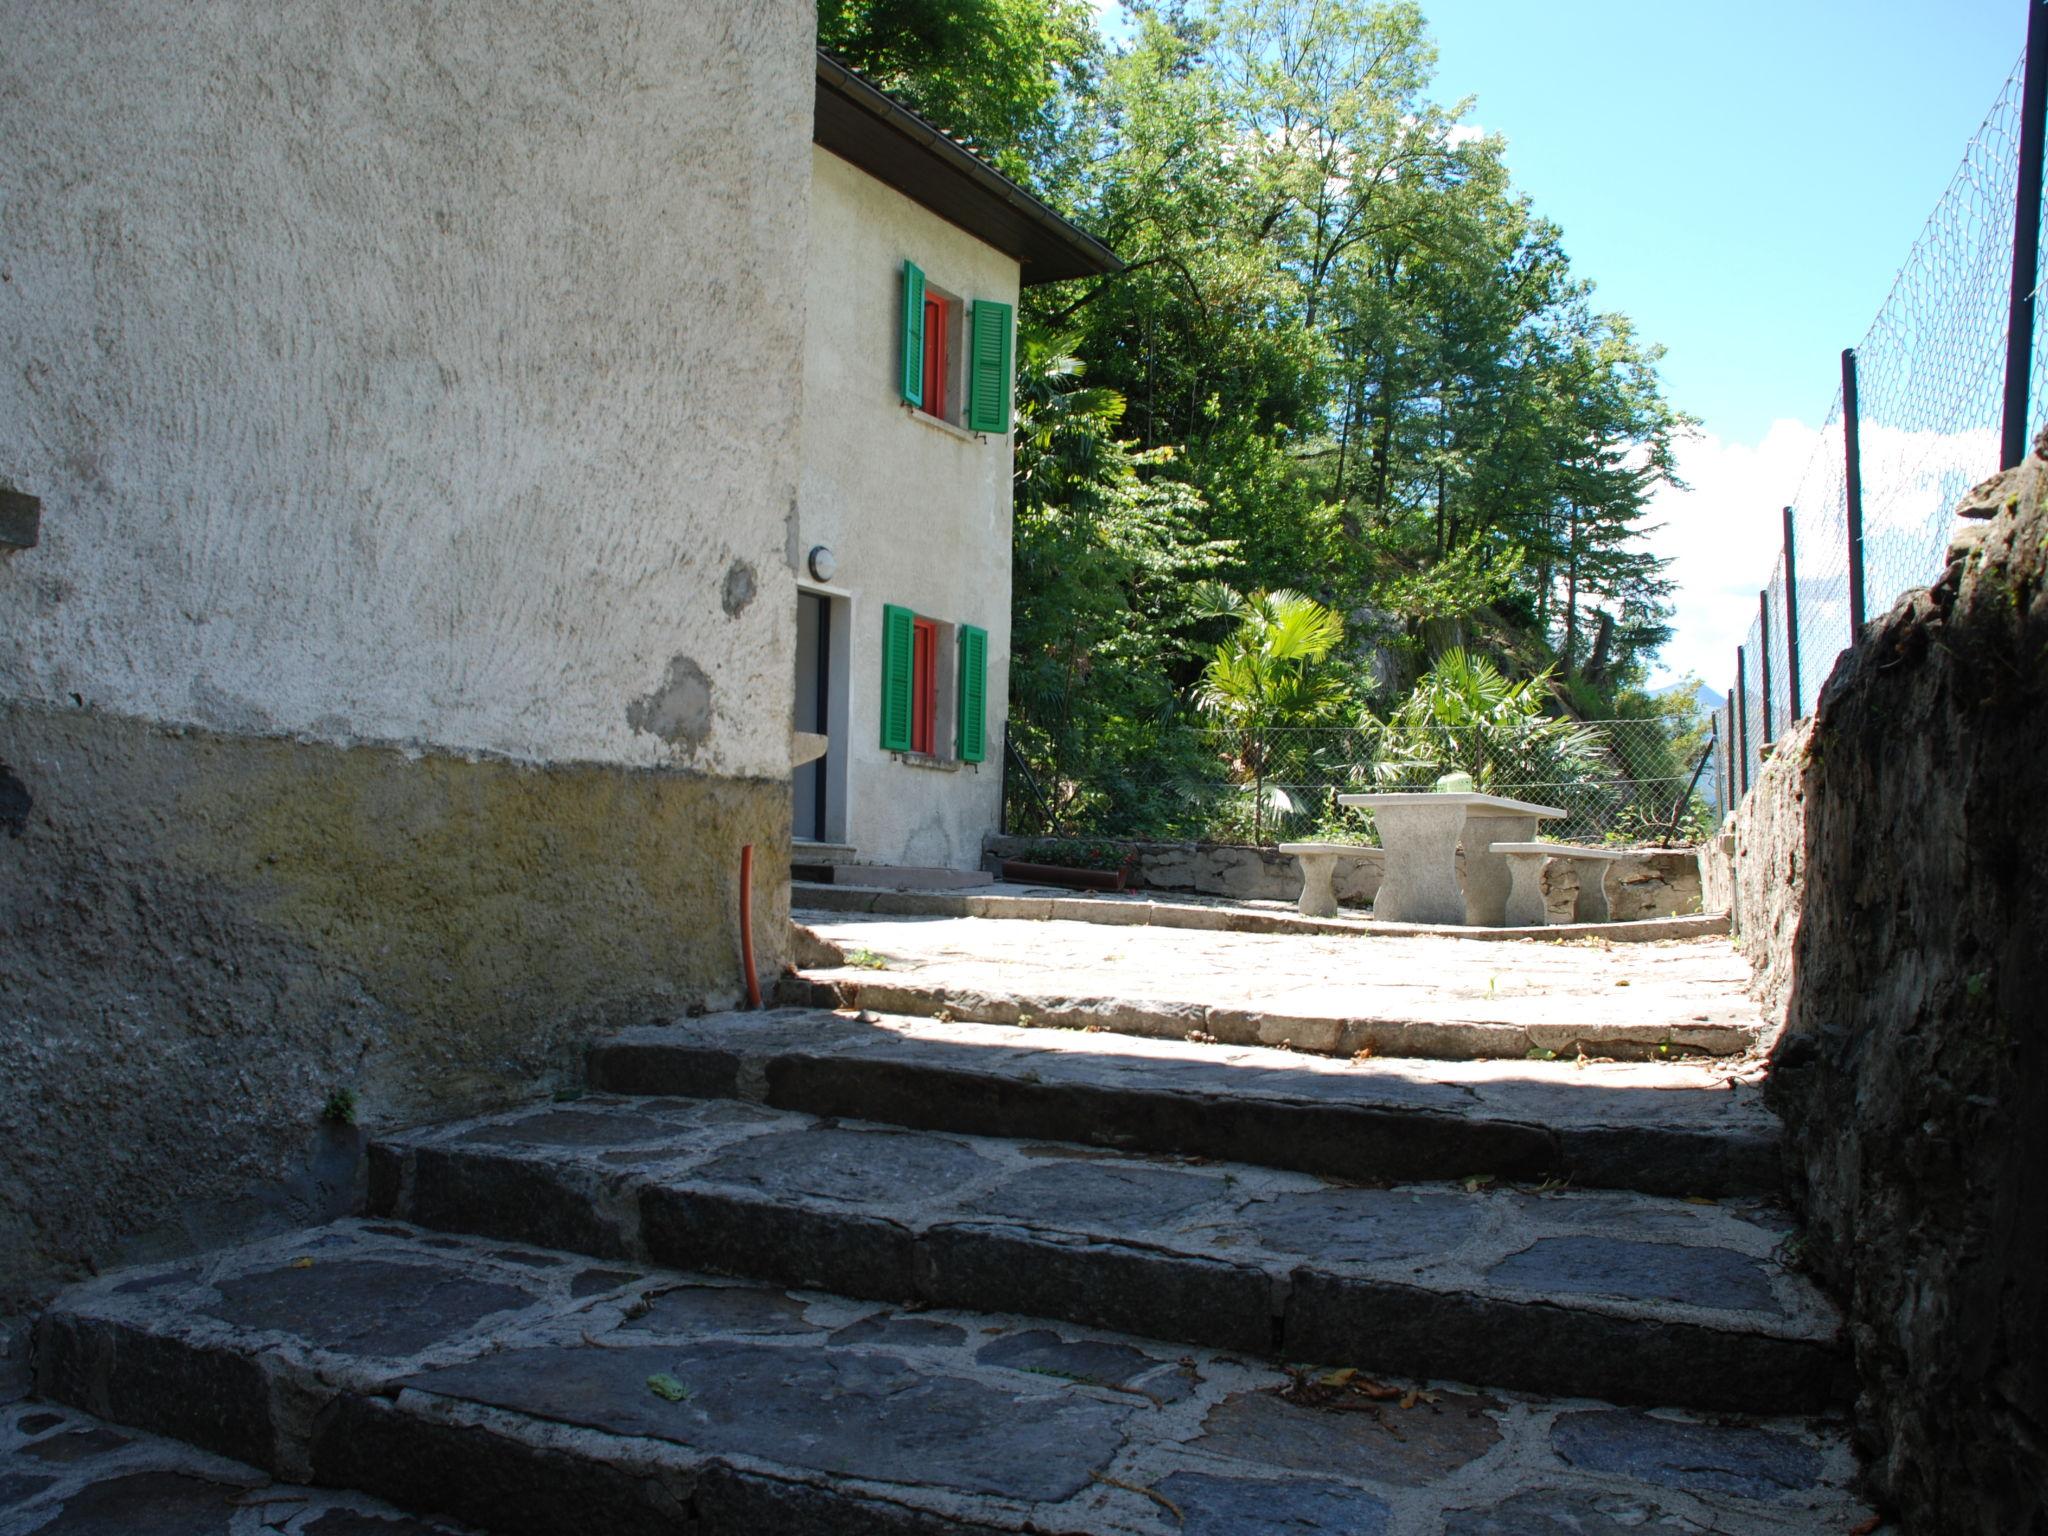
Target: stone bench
{"points": [[1318, 869], [1526, 907]]}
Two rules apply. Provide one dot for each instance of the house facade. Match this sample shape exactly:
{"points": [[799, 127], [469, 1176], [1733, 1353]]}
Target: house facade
{"points": [[918, 252]]}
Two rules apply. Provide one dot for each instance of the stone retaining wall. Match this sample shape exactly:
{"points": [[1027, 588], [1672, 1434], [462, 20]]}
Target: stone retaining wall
{"points": [[1647, 882], [1890, 877]]}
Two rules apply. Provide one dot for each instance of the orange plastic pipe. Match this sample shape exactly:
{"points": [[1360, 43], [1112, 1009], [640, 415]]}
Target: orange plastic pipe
{"points": [[747, 925]]}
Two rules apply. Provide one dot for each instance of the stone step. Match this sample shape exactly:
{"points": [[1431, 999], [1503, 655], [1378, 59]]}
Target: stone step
{"points": [[67, 1473], [1662, 1128], [1630, 1297], [1429, 996], [1342, 1034], [530, 1393]]}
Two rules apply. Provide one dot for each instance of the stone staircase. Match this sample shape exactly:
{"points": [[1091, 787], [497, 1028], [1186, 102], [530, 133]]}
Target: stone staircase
{"points": [[814, 1271]]}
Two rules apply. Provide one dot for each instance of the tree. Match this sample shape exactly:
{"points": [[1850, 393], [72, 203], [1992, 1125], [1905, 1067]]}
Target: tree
{"points": [[993, 72], [1467, 716], [1108, 554], [1270, 672]]}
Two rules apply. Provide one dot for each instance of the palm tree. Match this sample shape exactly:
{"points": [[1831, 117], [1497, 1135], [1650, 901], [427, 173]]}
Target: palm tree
{"points": [[1466, 715], [1269, 671]]}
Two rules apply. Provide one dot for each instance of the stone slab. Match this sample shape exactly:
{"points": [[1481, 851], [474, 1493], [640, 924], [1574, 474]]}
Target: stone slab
{"points": [[1214, 916], [64, 1473], [1669, 1128], [1563, 1285], [801, 1411], [1425, 996]]}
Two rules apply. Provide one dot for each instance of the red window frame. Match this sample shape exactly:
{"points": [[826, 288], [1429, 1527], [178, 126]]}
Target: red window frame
{"points": [[934, 355], [924, 687]]}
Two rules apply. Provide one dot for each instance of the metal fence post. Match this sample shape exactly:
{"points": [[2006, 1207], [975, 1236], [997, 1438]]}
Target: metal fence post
{"points": [[1852, 452], [1742, 721], [1791, 621], [2026, 239], [1763, 648]]}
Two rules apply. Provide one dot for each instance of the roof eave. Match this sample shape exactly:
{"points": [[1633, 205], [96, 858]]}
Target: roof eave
{"points": [[865, 126]]}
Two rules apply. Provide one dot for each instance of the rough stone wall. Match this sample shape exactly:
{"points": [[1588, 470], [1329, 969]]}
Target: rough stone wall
{"points": [[205, 936], [1648, 882], [1892, 876], [409, 372], [1222, 869]]}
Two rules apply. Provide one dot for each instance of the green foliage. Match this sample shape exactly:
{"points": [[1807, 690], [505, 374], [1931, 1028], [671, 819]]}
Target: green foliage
{"points": [[1077, 853], [990, 71], [1467, 716], [1108, 555], [340, 1108]]}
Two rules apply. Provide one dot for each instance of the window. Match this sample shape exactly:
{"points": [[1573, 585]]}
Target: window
{"points": [[957, 362], [917, 654], [936, 357], [924, 687]]}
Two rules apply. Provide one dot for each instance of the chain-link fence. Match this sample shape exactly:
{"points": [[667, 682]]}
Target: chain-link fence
{"points": [[1617, 781], [1932, 399]]}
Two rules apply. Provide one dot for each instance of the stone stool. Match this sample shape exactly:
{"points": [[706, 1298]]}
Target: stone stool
{"points": [[1318, 870], [1526, 908]]}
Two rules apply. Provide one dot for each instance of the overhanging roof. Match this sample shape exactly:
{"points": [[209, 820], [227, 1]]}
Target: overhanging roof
{"points": [[891, 143]]}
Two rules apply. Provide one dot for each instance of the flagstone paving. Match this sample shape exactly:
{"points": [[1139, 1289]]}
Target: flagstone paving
{"points": [[834, 1272], [657, 1400], [1616, 1293], [1418, 995]]}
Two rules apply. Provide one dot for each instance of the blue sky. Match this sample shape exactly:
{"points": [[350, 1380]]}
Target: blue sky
{"points": [[1743, 179]]}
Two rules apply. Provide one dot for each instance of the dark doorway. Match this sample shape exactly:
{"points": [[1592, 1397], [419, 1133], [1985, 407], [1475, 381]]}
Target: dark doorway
{"points": [[813, 709]]}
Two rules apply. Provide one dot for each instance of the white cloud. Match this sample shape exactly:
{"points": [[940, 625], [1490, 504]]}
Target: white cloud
{"points": [[1721, 537]]}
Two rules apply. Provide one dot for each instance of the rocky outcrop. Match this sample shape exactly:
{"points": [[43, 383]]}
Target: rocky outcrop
{"points": [[1892, 879]]}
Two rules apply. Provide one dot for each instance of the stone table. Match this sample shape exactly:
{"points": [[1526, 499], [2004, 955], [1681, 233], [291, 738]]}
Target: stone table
{"points": [[1526, 906], [1421, 832]]}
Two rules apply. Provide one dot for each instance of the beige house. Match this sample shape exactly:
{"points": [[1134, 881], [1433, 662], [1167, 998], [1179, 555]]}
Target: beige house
{"points": [[918, 250]]}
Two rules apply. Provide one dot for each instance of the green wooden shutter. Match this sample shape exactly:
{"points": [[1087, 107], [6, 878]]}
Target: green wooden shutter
{"points": [[989, 383], [973, 694], [913, 333], [899, 649]]}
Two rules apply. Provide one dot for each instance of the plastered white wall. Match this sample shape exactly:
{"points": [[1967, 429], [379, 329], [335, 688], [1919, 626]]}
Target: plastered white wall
{"points": [[917, 515], [410, 372]]}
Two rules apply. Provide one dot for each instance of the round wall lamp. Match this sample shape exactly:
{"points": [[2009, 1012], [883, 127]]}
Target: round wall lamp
{"points": [[824, 564]]}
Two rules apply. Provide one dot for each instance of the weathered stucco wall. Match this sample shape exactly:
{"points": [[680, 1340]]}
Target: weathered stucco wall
{"points": [[206, 935], [408, 372], [413, 391], [917, 514], [1891, 881]]}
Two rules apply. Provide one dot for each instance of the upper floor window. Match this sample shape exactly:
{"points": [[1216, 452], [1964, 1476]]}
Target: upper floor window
{"points": [[956, 358]]}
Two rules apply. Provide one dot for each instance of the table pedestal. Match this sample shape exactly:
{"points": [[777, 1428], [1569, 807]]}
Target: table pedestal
{"points": [[1421, 880]]}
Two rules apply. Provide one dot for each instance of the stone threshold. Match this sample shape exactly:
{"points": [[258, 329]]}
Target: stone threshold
{"points": [[1037, 904]]}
